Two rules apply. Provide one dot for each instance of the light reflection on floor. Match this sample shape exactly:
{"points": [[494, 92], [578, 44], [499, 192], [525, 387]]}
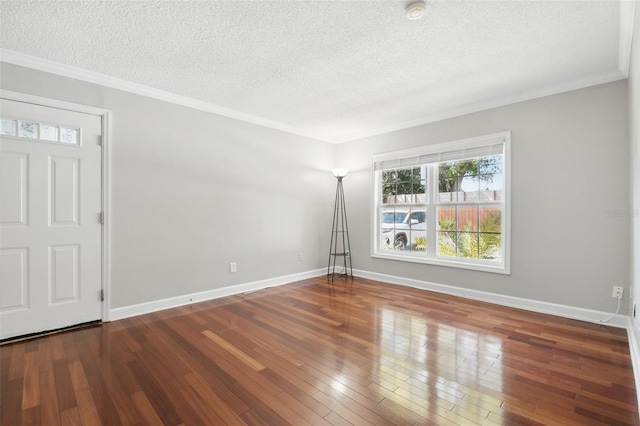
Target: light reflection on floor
{"points": [[425, 365]]}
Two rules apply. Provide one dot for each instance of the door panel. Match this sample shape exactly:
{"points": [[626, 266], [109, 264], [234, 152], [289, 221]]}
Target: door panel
{"points": [[64, 275], [64, 191], [14, 291], [50, 234], [13, 189]]}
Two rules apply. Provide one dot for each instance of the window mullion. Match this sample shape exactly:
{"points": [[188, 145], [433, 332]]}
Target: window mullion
{"points": [[432, 219]]}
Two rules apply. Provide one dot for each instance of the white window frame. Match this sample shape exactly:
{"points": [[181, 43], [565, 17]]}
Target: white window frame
{"points": [[430, 256]]}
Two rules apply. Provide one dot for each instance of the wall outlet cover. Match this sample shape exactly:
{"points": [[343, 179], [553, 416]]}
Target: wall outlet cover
{"points": [[617, 292]]}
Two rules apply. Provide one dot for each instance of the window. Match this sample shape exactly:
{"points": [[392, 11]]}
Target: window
{"points": [[39, 131], [445, 204]]}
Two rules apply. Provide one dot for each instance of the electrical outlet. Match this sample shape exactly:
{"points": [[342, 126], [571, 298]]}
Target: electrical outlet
{"points": [[233, 267], [617, 292], [300, 257]]}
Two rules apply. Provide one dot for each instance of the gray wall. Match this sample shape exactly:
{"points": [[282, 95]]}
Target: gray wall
{"points": [[192, 191], [570, 178], [634, 114]]}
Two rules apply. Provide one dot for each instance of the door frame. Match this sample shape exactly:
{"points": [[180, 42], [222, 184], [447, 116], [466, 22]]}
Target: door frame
{"points": [[104, 115]]}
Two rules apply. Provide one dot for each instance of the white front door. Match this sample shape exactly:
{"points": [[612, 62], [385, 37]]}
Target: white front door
{"points": [[50, 223]]}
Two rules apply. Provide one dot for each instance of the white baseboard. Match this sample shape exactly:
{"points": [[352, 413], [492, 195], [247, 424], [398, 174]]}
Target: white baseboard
{"points": [[635, 355], [565, 311], [187, 299], [620, 321]]}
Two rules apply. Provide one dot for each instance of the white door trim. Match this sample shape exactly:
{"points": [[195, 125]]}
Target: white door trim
{"points": [[105, 173]]}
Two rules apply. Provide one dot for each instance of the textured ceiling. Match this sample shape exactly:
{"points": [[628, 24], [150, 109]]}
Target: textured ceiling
{"points": [[333, 70]]}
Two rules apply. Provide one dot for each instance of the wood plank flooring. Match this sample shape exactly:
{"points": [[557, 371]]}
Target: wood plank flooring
{"points": [[348, 353]]}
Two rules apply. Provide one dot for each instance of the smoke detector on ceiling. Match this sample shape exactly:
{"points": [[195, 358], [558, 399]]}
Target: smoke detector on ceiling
{"points": [[416, 10]]}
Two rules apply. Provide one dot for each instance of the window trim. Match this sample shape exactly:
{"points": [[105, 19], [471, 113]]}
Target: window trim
{"points": [[475, 142]]}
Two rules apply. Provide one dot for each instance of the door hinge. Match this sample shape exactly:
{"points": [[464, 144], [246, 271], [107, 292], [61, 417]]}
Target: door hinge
{"points": [[102, 295], [100, 140], [102, 218]]}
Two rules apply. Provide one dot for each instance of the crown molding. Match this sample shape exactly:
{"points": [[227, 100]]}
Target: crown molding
{"points": [[627, 24], [45, 65], [40, 64], [509, 99]]}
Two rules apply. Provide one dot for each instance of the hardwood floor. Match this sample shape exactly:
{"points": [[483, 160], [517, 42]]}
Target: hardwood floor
{"points": [[358, 352]]}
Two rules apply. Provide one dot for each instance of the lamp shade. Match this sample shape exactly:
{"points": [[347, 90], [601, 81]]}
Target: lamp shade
{"points": [[339, 173]]}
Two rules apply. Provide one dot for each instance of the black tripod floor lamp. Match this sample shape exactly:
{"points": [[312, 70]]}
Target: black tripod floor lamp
{"points": [[340, 248]]}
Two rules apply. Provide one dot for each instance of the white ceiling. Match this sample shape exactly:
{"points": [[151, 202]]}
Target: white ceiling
{"points": [[332, 70]]}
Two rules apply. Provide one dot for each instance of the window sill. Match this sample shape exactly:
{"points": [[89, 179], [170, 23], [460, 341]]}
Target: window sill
{"points": [[483, 267]]}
